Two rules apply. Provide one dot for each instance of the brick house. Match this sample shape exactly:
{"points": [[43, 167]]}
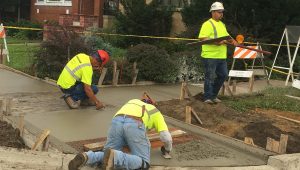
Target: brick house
{"points": [[98, 13], [80, 13]]}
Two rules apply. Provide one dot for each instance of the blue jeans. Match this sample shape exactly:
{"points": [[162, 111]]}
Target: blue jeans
{"points": [[77, 91], [215, 74], [125, 131]]}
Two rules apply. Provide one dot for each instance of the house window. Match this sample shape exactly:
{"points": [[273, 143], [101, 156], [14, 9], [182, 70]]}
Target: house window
{"points": [[54, 2], [111, 7]]}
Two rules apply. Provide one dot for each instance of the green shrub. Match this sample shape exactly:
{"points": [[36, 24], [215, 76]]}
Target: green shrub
{"points": [[55, 52], [25, 34], [191, 68], [154, 64]]}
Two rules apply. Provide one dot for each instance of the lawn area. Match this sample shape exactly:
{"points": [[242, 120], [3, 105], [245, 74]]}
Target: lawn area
{"points": [[21, 53], [271, 98]]}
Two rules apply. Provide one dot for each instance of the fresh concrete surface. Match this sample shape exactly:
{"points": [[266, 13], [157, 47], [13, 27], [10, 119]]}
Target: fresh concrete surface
{"points": [[11, 159], [88, 123], [15, 83]]}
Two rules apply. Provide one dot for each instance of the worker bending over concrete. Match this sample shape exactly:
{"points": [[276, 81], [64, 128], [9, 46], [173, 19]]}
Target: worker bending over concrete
{"points": [[128, 128], [75, 81]]}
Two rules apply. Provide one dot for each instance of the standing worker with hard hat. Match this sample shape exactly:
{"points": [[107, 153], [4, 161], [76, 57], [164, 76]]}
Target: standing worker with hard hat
{"points": [[128, 128], [214, 55], [75, 81]]}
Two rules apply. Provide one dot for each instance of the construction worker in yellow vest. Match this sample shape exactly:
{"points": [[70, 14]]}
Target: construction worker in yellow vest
{"points": [[128, 128], [214, 55], [75, 80]]}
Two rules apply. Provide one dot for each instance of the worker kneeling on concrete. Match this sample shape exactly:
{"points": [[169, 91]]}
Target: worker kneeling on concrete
{"points": [[75, 81], [128, 128]]}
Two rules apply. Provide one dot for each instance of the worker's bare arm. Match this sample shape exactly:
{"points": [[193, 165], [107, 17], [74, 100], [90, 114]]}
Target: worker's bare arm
{"points": [[89, 92]]}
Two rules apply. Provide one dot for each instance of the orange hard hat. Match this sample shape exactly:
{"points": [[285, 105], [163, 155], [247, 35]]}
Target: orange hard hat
{"points": [[104, 56]]}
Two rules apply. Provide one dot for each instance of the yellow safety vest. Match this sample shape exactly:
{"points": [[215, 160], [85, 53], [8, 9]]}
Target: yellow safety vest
{"points": [[213, 29], [79, 68], [152, 117]]}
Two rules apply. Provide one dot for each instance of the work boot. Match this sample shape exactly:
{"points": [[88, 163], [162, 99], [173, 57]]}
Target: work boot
{"points": [[78, 161], [108, 159], [208, 101], [71, 103], [216, 100]]}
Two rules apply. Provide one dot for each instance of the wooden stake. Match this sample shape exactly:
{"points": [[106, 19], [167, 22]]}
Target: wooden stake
{"points": [[188, 116], [272, 145], [188, 91], [182, 91], [251, 81], [249, 141], [46, 144], [234, 86], [8, 106], [196, 116], [289, 119], [283, 143], [21, 124], [228, 89], [1, 109], [135, 74], [102, 76], [116, 78], [41, 138], [114, 73]]}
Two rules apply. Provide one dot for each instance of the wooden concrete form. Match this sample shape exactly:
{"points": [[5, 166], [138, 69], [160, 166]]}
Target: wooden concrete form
{"points": [[184, 90], [277, 146], [41, 139], [97, 146]]}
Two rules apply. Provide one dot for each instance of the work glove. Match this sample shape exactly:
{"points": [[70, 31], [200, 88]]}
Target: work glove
{"points": [[165, 153]]}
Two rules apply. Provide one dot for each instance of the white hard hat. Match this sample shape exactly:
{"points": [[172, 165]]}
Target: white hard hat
{"points": [[216, 6]]}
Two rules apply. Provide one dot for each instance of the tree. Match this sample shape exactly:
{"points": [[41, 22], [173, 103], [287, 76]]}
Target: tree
{"points": [[140, 18], [254, 18]]}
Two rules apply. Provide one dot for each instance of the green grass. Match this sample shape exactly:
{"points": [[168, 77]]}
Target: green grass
{"points": [[13, 40], [271, 98], [22, 56]]}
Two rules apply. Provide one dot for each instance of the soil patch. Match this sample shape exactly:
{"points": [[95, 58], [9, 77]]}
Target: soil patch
{"points": [[257, 124], [10, 137]]}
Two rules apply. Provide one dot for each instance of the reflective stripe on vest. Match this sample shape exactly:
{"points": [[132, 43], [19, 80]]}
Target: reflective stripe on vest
{"points": [[215, 29], [150, 112], [72, 72]]}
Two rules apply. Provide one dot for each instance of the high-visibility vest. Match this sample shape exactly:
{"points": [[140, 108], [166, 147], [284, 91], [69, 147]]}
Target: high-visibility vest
{"points": [[2, 32], [213, 29], [79, 68], [151, 116]]}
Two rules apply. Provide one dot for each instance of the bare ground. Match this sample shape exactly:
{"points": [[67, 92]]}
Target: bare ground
{"points": [[10, 137], [257, 124]]}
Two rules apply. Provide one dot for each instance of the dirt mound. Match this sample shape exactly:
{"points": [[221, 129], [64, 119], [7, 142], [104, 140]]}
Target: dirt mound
{"points": [[219, 118], [10, 137]]}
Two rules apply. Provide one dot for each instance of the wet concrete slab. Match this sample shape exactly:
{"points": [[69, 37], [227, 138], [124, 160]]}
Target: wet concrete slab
{"points": [[15, 83], [88, 123]]}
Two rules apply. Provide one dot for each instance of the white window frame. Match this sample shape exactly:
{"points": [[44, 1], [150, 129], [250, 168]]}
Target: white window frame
{"points": [[53, 3]]}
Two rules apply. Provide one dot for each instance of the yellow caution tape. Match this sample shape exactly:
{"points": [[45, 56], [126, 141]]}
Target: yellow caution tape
{"points": [[141, 36], [23, 28], [279, 71]]}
